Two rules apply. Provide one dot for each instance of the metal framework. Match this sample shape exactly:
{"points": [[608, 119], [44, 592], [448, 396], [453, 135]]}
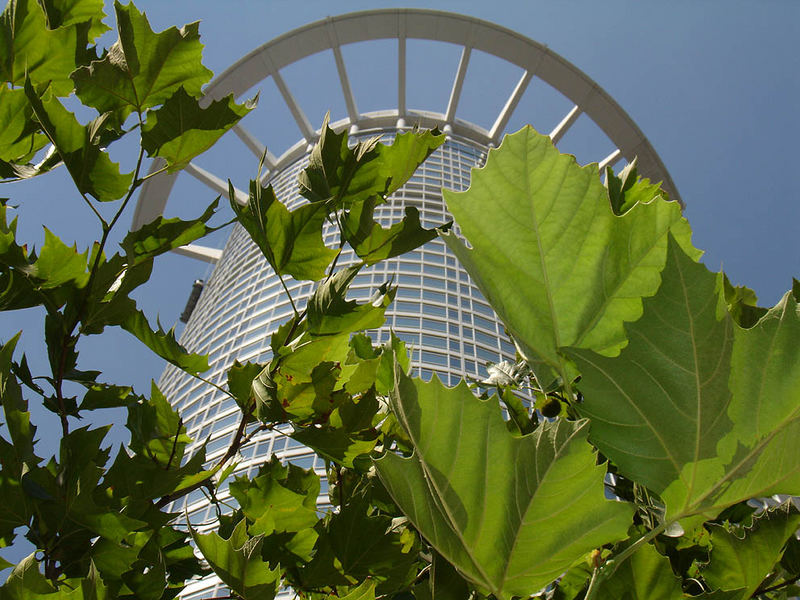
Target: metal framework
{"points": [[329, 35]]}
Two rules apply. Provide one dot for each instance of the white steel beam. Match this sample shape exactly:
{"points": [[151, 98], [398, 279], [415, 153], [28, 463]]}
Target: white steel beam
{"points": [[610, 160], [501, 122], [401, 75], [299, 116], [349, 99], [567, 122], [255, 146], [215, 183], [458, 83], [204, 253]]}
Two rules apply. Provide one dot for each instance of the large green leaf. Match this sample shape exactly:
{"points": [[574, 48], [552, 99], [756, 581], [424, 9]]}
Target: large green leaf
{"points": [[28, 48], [157, 430], [557, 265], [480, 495], [237, 562], [682, 410], [182, 129], [742, 558], [79, 148], [143, 68], [291, 241]]}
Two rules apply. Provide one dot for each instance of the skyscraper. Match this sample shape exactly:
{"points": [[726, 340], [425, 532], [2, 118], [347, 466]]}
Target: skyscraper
{"points": [[438, 311]]}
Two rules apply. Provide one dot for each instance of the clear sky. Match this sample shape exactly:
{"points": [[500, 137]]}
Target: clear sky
{"points": [[713, 85]]}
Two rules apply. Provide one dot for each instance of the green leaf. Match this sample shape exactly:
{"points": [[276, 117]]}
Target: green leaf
{"points": [[342, 176], [557, 265], [26, 581], [78, 147], [291, 241], [372, 243], [157, 430], [164, 344], [237, 562], [279, 499], [480, 504], [336, 444], [240, 382], [162, 235], [360, 545], [329, 313], [183, 129], [646, 575], [65, 13], [143, 68], [20, 137], [365, 591], [29, 49], [58, 264], [697, 380], [741, 558], [627, 189]]}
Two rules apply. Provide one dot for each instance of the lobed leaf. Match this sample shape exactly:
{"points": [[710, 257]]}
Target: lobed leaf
{"points": [[143, 68], [557, 265], [78, 147], [164, 344], [479, 494], [182, 129]]}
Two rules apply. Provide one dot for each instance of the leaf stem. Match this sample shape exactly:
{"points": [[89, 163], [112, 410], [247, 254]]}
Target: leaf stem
{"points": [[288, 295]]}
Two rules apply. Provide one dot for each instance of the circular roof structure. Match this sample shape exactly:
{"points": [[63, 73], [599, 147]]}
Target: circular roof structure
{"points": [[470, 34]]}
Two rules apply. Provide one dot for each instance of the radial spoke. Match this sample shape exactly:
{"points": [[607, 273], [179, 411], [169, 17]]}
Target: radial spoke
{"points": [[565, 124], [255, 146], [511, 104], [349, 99], [458, 83], [215, 183], [204, 253], [610, 160]]}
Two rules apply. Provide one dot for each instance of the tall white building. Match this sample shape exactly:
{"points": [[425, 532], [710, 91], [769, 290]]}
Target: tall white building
{"points": [[437, 311]]}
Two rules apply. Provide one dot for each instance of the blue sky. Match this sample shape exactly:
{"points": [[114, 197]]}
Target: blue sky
{"points": [[713, 84]]}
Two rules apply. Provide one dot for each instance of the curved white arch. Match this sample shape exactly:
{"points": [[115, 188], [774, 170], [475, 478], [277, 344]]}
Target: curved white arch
{"points": [[470, 33]]}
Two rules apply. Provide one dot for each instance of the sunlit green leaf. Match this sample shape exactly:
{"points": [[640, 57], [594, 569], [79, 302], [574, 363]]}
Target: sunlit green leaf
{"points": [[481, 503], [342, 176], [279, 499], [20, 137], [557, 265], [58, 264], [65, 13], [183, 129], [143, 68], [240, 382], [78, 147], [691, 374], [29, 49], [157, 430]]}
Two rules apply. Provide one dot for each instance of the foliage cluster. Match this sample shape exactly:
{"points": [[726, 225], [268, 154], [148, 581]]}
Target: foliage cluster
{"points": [[664, 398]]}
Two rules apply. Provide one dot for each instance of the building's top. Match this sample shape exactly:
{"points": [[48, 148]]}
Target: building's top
{"points": [[329, 35]]}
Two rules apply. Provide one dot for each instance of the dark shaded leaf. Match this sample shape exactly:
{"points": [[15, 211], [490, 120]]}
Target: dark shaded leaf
{"points": [[164, 344], [183, 129], [237, 561], [78, 147], [291, 241]]}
